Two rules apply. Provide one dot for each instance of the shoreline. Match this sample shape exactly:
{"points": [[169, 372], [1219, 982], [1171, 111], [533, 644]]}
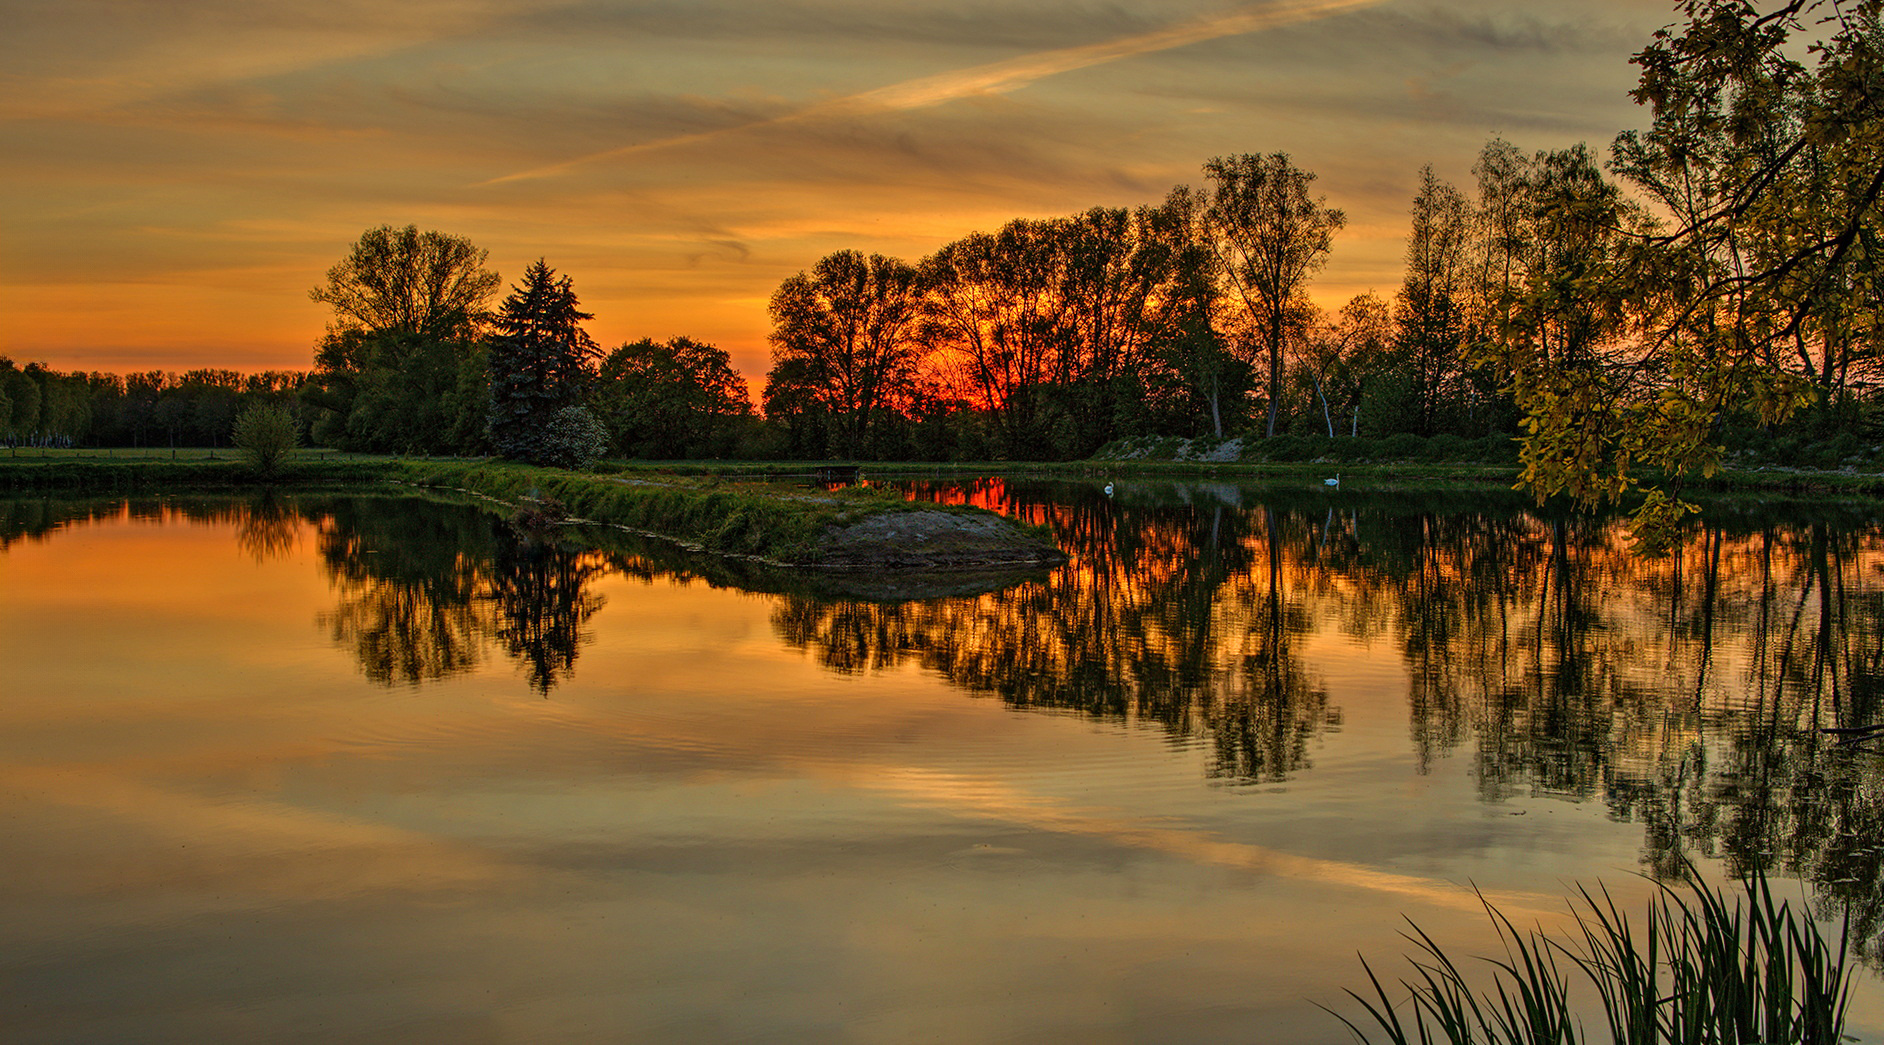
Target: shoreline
{"points": [[82, 471]]}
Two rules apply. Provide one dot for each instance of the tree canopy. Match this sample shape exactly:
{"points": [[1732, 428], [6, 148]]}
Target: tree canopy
{"points": [[845, 336], [403, 281], [401, 366], [1756, 294], [1268, 236], [671, 400], [541, 361]]}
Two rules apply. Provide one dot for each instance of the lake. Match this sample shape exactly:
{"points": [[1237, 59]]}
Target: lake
{"points": [[383, 769]]}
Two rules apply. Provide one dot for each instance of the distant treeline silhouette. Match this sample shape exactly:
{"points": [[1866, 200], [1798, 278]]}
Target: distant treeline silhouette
{"points": [[43, 407]]}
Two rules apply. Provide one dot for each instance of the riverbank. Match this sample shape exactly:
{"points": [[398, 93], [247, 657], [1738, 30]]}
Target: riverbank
{"points": [[774, 522], [846, 529], [766, 509]]}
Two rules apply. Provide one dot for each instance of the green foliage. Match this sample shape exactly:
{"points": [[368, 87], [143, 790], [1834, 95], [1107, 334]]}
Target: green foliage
{"points": [[399, 393], [266, 434], [401, 366], [1703, 970], [540, 362], [22, 422], [403, 281], [1629, 345], [572, 439], [681, 399]]}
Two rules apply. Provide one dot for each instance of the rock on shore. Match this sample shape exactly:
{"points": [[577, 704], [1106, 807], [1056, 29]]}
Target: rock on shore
{"points": [[922, 538]]}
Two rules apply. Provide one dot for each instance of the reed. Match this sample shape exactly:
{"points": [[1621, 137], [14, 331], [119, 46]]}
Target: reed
{"points": [[1703, 966]]}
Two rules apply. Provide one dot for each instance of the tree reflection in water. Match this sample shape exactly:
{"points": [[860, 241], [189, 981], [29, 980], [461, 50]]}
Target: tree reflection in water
{"points": [[1687, 694], [539, 592], [1185, 617], [268, 528], [423, 593]]}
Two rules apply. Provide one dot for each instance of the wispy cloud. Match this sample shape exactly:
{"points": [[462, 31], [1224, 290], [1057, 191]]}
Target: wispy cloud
{"points": [[993, 78]]}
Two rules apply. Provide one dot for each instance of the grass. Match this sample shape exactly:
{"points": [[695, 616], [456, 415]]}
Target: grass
{"points": [[1702, 969], [770, 521], [743, 509], [26, 470], [719, 516]]}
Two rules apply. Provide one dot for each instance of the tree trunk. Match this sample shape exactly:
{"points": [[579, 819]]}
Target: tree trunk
{"points": [[1275, 370], [1326, 417]]}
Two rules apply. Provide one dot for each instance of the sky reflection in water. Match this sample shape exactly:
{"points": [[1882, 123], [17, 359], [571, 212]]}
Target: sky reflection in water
{"points": [[367, 767]]}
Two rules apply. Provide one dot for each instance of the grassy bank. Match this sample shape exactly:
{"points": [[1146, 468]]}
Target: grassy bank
{"points": [[717, 515], [760, 507], [777, 523], [1443, 458]]}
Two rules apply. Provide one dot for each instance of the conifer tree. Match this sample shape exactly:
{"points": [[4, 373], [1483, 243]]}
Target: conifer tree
{"points": [[540, 362]]}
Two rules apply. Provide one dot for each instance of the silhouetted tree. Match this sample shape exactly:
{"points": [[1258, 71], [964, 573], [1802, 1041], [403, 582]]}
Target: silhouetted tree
{"points": [[541, 361], [1430, 309], [401, 366], [676, 399], [994, 315], [845, 335], [1269, 236], [405, 281], [1346, 354]]}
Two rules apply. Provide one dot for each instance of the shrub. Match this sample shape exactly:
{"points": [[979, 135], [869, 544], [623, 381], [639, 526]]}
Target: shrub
{"points": [[573, 439], [1401, 446], [266, 434], [1498, 449], [1286, 448], [1448, 447]]}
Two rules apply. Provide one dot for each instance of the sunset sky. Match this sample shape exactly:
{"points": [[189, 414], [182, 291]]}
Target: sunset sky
{"points": [[177, 175]]}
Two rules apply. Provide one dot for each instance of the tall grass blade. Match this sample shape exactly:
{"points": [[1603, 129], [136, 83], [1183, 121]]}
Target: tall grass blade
{"points": [[1706, 969]]}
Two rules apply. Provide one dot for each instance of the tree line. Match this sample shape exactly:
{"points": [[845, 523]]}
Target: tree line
{"points": [[1712, 283], [41, 407]]}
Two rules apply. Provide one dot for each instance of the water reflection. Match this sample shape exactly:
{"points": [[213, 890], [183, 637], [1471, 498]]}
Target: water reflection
{"points": [[422, 595], [1686, 694], [409, 587], [1184, 618], [268, 529]]}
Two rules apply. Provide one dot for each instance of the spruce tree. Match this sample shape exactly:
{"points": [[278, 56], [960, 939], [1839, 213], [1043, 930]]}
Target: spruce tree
{"points": [[540, 362]]}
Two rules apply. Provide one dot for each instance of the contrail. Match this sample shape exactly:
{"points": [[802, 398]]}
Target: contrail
{"points": [[993, 78]]}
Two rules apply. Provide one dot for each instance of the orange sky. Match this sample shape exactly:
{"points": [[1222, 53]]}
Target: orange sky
{"points": [[178, 175]]}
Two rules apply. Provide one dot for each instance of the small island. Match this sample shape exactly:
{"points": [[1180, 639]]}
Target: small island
{"points": [[854, 529]]}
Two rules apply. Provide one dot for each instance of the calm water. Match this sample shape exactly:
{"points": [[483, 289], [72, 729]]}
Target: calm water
{"points": [[374, 769]]}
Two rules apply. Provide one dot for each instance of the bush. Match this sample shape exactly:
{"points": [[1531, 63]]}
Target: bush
{"points": [[574, 439], [266, 434], [1286, 448], [1448, 447], [1498, 449], [1401, 446]]}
